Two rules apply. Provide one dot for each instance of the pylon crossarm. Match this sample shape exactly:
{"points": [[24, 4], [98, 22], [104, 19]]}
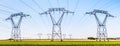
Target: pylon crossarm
{"points": [[44, 13], [100, 11], [16, 14], [56, 9], [67, 11], [91, 13]]}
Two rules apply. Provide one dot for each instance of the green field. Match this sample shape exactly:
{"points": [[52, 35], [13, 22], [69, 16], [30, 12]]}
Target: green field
{"points": [[56, 43]]}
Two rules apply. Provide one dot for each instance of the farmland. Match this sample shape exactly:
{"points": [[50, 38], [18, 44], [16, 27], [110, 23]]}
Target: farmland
{"points": [[57, 43]]}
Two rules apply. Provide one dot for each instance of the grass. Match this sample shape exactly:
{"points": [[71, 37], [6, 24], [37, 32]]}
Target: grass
{"points": [[57, 43]]}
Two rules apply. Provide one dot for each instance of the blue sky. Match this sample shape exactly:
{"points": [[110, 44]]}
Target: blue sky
{"points": [[79, 24]]}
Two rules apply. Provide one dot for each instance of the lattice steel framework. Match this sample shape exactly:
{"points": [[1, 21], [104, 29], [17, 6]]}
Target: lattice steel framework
{"points": [[16, 32], [101, 30], [56, 23]]}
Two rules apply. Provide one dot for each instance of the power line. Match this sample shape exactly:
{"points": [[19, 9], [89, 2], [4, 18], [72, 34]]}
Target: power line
{"points": [[114, 8], [42, 10], [6, 11], [10, 8], [32, 8], [76, 6], [37, 5], [28, 5], [50, 3], [69, 20], [67, 4], [98, 2], [105, 4], [27, 21], [84, 19], [58, 3]]}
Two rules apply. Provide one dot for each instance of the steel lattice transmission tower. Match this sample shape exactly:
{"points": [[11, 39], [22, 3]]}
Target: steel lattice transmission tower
{"points": [[40, 35], [48, 36], [101, 30], [56, 23], [16, 32]]}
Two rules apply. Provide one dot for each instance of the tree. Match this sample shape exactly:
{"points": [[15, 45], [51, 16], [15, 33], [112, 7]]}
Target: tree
{"points": [[91, 38]]}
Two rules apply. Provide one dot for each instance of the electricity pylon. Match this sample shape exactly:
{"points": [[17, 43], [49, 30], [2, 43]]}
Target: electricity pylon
{"points": [[16, 32], [101, 30], [64, 36], [48, 36], [39, 35], [56, 24], [70, 35]]}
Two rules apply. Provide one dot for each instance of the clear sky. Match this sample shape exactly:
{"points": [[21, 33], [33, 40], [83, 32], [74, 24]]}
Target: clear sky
{"points": [[79, 24]]}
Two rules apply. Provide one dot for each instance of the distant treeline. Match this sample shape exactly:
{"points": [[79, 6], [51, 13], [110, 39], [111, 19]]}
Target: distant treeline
{"points": [[92, 38]]}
